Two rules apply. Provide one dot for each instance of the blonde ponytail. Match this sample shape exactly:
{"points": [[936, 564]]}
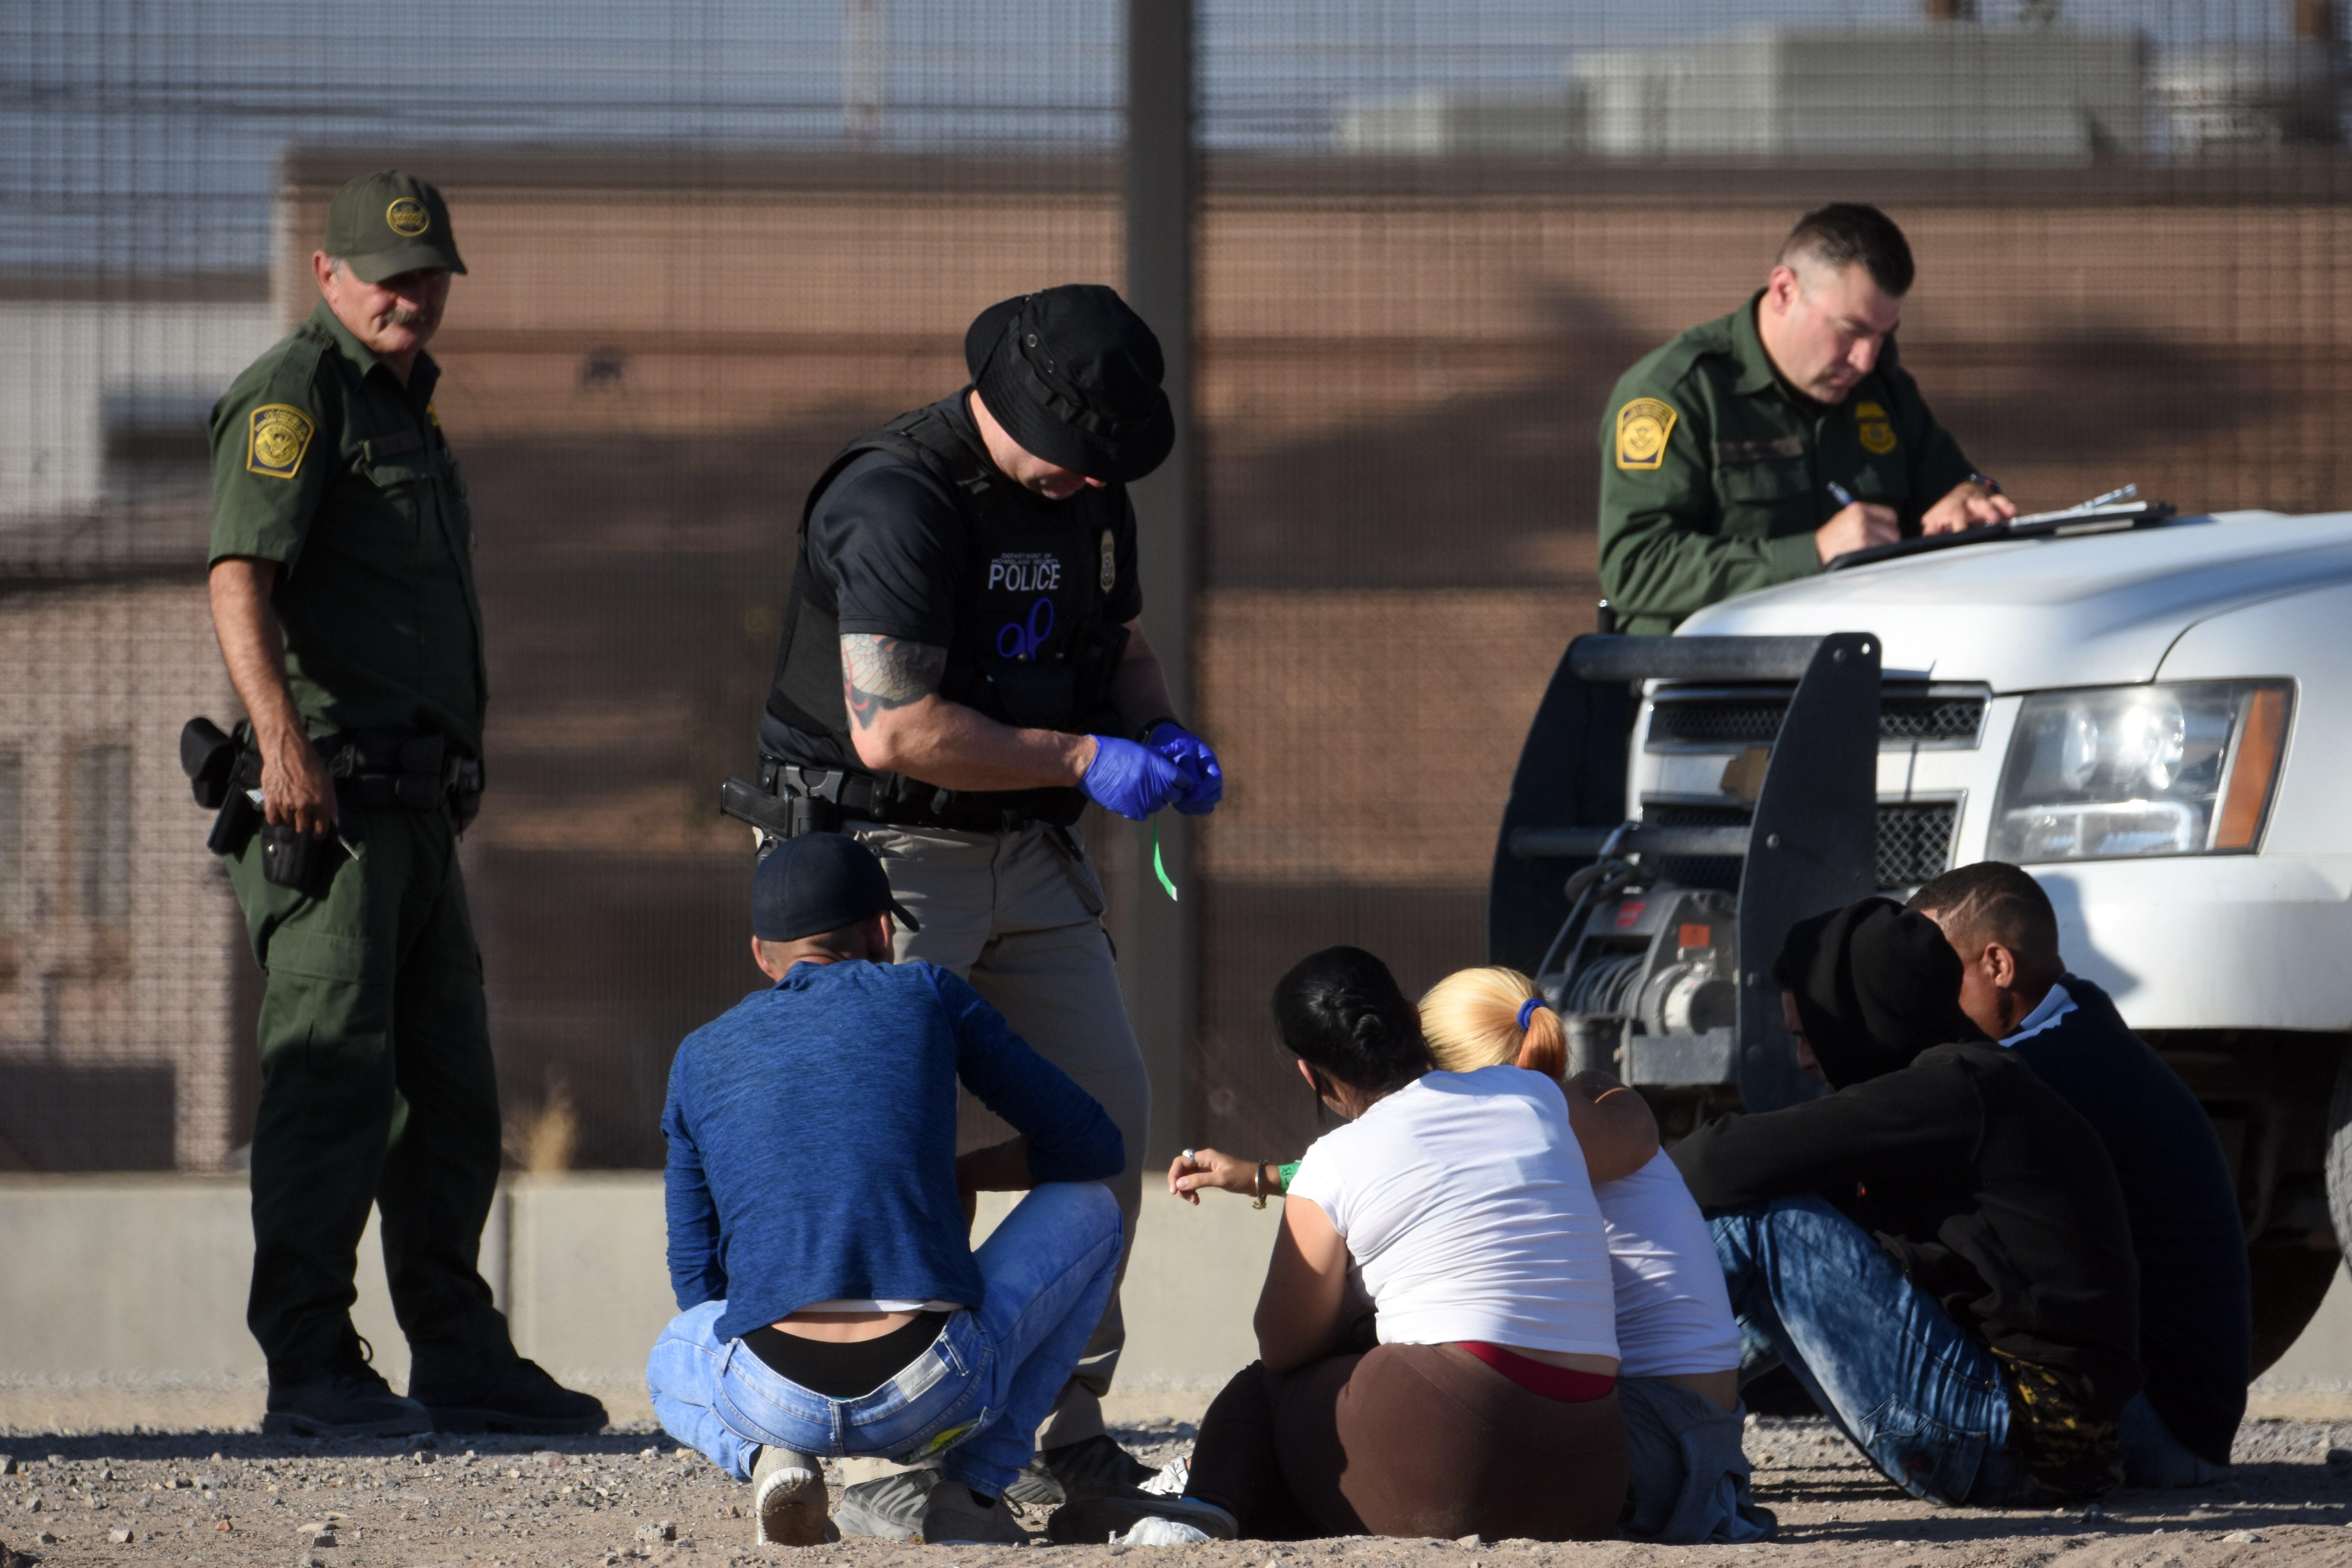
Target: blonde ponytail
{"points": [[1471, 1020]]}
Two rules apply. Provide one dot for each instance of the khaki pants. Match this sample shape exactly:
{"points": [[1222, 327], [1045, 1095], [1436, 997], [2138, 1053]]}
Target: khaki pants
{"points": [[1020, 917]]}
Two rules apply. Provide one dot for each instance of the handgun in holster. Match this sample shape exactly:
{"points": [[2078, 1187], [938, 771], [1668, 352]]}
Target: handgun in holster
{"points": [[778, 816], [221, 768]]}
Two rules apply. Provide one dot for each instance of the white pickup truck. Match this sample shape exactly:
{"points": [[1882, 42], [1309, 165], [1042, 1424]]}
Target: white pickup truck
{"points": [[2157, 724]]}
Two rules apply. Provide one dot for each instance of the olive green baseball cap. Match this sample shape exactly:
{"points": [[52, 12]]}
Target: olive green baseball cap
{"points": [[388, 223]]}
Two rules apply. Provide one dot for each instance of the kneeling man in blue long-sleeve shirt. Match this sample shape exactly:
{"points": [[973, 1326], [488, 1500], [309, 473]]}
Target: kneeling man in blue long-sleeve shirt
{"points": [[830, 1303]]}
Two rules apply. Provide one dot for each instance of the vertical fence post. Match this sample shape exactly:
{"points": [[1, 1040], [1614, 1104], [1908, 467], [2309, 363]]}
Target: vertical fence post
{"points": [[1157, 964]]}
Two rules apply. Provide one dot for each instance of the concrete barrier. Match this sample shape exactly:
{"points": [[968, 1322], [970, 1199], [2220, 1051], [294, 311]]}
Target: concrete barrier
{"points": [[128, 1281], [122, 1297]]}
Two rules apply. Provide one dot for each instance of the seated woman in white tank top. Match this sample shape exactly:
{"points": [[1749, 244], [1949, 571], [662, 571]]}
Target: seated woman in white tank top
{"points": [[1678, 1344], [1458, 1207]]}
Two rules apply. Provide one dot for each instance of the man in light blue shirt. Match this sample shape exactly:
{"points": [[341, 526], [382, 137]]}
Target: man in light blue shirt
{"points": [[829, 1301]]}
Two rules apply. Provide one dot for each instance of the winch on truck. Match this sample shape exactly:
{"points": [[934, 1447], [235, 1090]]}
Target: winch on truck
{"points": [[2152, 715]]}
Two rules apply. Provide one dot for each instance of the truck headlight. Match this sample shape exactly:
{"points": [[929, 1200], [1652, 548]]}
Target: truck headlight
{"points": [[2110, 772]]}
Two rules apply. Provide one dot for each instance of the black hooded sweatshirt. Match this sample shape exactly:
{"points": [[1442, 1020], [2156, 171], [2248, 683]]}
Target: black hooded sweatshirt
{"points": [[1988, 1190]]}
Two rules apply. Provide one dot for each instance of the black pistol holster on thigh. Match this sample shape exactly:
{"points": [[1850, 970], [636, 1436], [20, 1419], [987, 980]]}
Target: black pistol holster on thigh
{"points": [[221, 769]]}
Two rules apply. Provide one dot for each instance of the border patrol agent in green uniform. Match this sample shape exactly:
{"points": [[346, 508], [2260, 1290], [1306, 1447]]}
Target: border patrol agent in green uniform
{"points": [[1756, 449], [342, 591]]}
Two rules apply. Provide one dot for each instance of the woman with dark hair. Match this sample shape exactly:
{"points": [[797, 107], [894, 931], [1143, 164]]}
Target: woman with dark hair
{"points": [[1457, 1207]]}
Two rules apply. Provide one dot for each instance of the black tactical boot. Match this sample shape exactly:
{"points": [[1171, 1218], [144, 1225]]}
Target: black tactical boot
{"points": [[1094, 1466], [508, 1393], [346, 1398]]}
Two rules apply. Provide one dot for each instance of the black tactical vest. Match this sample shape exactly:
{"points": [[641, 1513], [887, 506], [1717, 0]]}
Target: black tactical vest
{"points": [[1032, 647]]}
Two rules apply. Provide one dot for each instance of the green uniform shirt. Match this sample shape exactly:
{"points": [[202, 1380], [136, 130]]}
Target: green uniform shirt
{"points": [[1714, 473], [324, 463]]}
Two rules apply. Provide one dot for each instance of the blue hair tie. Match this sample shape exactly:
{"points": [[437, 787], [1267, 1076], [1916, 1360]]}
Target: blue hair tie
{"points": [[1528, 1010]]}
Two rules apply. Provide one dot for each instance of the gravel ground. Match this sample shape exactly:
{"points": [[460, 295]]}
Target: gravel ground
{"points": [[630, 1497]]}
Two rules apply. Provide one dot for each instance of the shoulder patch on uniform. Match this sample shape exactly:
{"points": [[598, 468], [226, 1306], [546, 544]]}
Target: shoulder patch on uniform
{"points": [[1875, 429], [1642, 426], [276, 436], [1109, 578]]}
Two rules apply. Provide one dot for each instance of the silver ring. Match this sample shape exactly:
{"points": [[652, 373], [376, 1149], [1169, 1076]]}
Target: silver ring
{"points": [[1189, 1159]]}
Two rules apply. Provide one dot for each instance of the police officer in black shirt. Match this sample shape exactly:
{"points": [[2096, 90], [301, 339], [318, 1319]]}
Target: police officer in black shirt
{"points": [[962, 669]]}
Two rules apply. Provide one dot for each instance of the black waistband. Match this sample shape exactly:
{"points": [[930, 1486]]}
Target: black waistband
{"points": [[850, 794], [844, 1370], [414, 768]]}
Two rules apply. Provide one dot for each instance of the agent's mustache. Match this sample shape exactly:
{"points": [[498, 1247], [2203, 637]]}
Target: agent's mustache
{"points": [[402, 316]]}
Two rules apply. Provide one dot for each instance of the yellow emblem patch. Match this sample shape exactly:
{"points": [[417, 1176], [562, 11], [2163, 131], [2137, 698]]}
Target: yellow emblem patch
{"points": [[941, 1442], [1875, 430], [1642, 426], [276, 436], [407, 217]]}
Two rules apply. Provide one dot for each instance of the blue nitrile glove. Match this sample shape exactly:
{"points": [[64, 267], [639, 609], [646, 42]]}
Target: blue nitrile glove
{"points": [[1204, 781], [1131, 780]]}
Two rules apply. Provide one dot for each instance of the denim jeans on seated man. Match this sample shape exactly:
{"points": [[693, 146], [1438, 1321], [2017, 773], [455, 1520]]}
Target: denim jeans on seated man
{"points": [[973, 1401], [1927, 1404]]}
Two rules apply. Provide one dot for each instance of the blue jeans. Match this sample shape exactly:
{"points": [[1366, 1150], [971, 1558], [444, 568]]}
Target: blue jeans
{"points": [[2152, 1456], [1925, 1401], [973, 1400]]}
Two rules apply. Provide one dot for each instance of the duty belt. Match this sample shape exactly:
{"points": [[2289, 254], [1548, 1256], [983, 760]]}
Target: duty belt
{"points": [[793, 798], [402, 767], [370, 767]]}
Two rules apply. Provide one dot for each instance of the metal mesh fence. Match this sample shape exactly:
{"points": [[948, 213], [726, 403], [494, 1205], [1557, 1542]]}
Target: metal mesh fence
{"points": [[710, 239]]}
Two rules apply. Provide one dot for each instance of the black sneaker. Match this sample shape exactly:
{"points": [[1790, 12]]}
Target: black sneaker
{"points": [[510, 1395], [1094, 1466], [345, 1399], [1091, 1521]]}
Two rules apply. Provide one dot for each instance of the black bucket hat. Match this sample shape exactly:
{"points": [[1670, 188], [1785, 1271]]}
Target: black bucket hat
{"points": [[1073, 375]]}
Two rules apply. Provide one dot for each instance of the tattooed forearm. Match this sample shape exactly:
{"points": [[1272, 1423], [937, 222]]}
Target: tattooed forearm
{"points": [[880, 673]]}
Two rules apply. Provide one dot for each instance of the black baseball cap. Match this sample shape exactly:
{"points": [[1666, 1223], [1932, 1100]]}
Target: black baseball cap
{"points": [[1073, 375], [388, 223], [820, 882]]}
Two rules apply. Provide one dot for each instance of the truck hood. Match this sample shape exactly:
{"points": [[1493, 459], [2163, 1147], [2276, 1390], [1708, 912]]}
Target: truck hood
{"points": [[2023, 614]]}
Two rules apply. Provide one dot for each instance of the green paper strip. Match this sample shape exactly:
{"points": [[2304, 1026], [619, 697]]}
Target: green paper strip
{"points": [[1161, 866]]}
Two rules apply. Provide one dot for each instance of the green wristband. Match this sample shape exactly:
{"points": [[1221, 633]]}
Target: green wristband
{"points": [[1286, 1172]]}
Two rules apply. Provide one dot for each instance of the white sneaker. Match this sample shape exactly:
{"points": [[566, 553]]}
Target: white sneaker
{"points": [[788, 1497]]}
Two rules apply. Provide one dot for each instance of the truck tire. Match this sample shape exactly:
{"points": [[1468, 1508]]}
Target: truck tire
{"points": [[2290, 1282]]}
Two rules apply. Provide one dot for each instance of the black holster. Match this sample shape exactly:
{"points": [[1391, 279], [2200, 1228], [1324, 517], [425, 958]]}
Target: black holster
{"points": [[370, 767]]}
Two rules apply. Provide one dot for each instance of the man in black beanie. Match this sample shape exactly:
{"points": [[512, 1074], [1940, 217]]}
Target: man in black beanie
{"points": [[1938, 1250], [962, 669]]}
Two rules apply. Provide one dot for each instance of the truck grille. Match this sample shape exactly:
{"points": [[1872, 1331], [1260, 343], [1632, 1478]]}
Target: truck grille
{"points": [[1745, 718], [1914, 842]]}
